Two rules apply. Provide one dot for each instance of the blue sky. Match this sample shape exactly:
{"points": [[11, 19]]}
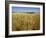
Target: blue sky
{"points": [[25, 9]]}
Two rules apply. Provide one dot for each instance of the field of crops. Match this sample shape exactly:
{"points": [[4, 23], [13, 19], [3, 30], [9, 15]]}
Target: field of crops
{"points": [[24, 21]]}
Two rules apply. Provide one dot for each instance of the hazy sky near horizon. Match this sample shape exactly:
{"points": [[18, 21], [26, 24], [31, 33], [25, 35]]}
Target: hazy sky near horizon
{"points": [[25, 9]]}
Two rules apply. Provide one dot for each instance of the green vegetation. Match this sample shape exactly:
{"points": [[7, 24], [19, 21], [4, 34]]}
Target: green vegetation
{"points": [[23, 21]]}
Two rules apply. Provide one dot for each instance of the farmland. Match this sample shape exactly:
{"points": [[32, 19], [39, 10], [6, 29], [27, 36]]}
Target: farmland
{"points": [[24, 21]]}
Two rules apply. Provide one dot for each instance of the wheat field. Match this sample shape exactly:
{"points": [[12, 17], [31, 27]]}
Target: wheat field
{"points": [[24, 21]]}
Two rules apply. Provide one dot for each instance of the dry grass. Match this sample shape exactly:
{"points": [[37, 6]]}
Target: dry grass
{"points": [[22, 21]]}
